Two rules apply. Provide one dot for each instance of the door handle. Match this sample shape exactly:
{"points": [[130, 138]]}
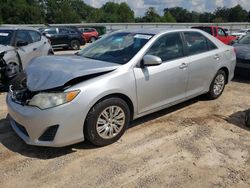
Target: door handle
{"points": [[34, 49], [216, 57], [183, 66]]}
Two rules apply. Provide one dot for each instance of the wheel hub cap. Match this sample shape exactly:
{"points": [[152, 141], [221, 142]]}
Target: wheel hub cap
{"points": [[219, 84], [110, 122]]}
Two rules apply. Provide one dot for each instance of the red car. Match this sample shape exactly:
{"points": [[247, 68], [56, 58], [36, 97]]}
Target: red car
{"points": [[217, 32], [90, 34]]}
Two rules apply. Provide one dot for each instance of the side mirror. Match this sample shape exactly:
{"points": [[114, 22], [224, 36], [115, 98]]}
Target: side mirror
{"points": [[151, 60], [21, 43]]}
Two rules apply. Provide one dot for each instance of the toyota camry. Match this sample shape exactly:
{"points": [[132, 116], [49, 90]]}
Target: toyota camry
{"points": [[95, 94]]}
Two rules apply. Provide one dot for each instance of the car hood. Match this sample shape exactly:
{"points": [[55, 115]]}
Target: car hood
{"points": [[242, 51], [4, 48], [48, 72]]}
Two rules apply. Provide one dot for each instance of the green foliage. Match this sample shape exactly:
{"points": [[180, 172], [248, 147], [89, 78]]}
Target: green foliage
{"points": [[113, 13], [76, 11], [151, 16], [237, 13], [168, 17]]}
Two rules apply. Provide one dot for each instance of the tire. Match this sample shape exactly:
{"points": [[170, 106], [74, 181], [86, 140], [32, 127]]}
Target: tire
{"points": [[50, 52], [247, 120], [75, 44], [92, 39], [101, 113], [218, 85]]}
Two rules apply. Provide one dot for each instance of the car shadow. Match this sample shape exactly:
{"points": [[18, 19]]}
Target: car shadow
{"points": [[238, 119], [12, 142]]}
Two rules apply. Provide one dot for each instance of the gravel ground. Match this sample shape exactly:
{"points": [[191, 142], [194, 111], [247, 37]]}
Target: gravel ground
{"points": [[198, 143]]}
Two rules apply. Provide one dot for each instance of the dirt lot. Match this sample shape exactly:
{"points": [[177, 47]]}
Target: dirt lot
{"points": [[199, 143]]}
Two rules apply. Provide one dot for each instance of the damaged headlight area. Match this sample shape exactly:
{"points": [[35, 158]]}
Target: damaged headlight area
{"points": [[50, 100]]}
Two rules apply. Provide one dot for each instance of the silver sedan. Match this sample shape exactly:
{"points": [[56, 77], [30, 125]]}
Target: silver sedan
{"points": [[123, 76]]}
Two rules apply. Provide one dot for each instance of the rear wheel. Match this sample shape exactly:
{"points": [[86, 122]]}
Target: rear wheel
{"points": [[217, 86], [75, 44], [107, 121]]}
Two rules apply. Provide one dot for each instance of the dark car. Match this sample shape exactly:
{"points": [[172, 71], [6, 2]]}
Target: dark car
{"points": [[242, 47], [64, 37]]}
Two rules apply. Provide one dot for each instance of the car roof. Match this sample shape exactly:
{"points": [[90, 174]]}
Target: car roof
{"points": [[17, 28], [155, 31]]}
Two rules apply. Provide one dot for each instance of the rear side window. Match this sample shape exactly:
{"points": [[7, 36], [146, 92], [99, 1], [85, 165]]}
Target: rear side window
{"points": [[168, 47], [211, 45], [63, 31], [197, 43], [50, 31], [35, 36]]}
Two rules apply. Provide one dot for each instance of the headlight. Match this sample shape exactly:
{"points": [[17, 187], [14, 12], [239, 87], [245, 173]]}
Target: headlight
{"points": [[49, 100]]}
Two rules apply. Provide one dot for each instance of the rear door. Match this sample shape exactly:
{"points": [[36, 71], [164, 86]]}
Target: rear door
{"points": [[63, 36], [202, 62], [160, 85]]}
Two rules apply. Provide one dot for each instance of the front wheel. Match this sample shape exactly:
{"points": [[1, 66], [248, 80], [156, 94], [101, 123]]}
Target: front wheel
{"points": [[107, 121], [217, 86]]}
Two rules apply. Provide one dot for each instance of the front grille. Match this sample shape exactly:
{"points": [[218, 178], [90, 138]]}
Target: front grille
{"points": [[245, 61], [22, 129], [49, 134]]}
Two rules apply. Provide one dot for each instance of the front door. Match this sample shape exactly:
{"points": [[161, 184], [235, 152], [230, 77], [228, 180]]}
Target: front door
{"points": [[160, 85]]}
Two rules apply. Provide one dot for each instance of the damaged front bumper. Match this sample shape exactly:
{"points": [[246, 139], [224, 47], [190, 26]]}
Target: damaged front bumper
{"points": [[55, 127]]}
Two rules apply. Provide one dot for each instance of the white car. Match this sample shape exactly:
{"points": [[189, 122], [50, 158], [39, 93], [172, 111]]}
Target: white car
{"points": [[18, 45], [241, 33]]}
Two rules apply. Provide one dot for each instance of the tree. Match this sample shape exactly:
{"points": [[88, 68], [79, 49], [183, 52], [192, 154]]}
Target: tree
{"points": [[168, 17], [221, 13], [151, 15], [21, 11], [180, 14], [238, 14], [113, 12]]}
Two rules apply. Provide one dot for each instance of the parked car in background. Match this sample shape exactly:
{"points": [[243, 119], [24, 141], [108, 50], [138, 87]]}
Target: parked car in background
{"points": [[18, 45], [217, 32], [90, 34], [64, 37], [121, 77], [242, 48], [241, 33]]}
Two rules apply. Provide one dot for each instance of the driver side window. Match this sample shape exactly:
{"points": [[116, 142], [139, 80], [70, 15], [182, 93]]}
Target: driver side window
{"points": [[168, 47]]}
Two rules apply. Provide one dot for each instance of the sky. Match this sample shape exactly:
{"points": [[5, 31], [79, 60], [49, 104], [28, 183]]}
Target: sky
{"points": [[139, 6]]}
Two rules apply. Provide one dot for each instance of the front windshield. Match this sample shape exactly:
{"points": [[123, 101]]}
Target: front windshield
{"points": [[245, 40], [5, 37], [116, 48]]}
